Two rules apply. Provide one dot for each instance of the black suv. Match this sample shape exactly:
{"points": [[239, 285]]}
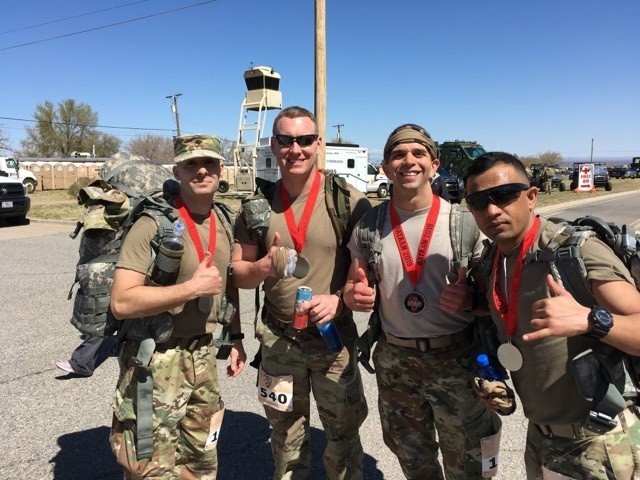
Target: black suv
{"points": [[600, 176], [14, 202], [455, 185]]}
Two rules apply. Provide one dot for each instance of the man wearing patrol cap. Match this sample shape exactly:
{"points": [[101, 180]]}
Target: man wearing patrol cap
{"points": [[187, 408], [423, 309]]}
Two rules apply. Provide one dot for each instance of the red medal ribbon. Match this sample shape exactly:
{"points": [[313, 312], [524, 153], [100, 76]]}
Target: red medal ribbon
{"points": [[193, 232], [414, 270], [299, 233], [510, 315]]}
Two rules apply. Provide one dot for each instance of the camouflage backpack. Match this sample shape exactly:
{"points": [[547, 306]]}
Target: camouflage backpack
{"points": [[128, 188]]}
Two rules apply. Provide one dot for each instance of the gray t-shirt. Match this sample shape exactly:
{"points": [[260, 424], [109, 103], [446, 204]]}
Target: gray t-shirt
{"points": [[395, 284]]}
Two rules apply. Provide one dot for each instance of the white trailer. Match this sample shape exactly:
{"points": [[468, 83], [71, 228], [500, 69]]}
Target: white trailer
{"points": [[348, 161]]}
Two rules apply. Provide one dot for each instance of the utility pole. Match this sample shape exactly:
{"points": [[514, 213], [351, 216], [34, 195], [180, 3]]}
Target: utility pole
{"points": [[174, 109], [321, 77], [338, 127], [591, 160]]}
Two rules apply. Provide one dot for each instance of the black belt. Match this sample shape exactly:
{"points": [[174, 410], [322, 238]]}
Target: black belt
{"points": [[189, 344]]}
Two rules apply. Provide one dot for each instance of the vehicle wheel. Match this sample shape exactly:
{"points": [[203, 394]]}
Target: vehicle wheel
{"points": [[223, 186], [30, 184], [382, 191], [562, 187], [18, 220], [574, 185], [608, 186]]}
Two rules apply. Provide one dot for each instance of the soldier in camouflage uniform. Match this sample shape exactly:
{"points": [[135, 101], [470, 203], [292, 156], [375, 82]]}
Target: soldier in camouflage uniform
{"points": [[186, 403], [545, 331], [421, 304], [296, 362]]}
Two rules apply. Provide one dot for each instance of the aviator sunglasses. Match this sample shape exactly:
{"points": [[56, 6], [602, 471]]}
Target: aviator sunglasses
{"points": [[302, 140], [499, 196]]}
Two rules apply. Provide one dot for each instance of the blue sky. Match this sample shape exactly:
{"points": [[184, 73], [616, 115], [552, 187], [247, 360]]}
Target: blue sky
{"points": [[519, 76]]}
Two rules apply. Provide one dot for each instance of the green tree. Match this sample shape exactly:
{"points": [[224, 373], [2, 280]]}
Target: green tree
{"points": [[154, 147], [70, 126]]}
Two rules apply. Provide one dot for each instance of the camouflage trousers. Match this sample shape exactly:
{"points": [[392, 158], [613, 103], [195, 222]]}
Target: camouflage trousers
{"points": [[186, 395], [334, 379], [615, 455], [421, 393]]}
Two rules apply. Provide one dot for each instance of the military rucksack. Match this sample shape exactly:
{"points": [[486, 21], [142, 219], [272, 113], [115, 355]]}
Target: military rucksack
{"points": [[464, 235], [602, 373], [128, 188]]}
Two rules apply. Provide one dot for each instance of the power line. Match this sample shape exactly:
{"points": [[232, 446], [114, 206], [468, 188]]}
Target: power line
{"points": [[106, 26], [71, 18], [87, 125]]}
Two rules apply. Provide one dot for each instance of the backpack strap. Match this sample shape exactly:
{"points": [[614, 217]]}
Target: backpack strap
{"points": [[464, 235], [338, 200]]}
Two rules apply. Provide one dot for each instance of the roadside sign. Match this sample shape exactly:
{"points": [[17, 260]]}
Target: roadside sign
{"points": [[585, 177]]}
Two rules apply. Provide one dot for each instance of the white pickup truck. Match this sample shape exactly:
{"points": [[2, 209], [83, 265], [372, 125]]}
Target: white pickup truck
{"points": [[11, 168]]}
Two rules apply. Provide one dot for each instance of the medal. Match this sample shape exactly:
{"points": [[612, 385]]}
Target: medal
{"points": [[508, 354], [510, 357], [302, 267], [414, 302]]}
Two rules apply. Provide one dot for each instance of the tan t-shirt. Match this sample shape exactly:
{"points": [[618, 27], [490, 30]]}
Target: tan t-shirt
{"points": [[136, 255], [328, 263], [395, 284], [545, 384]]}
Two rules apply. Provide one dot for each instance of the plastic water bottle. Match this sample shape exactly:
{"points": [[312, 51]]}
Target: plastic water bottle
{"points": [[486, 370], [331, 337], [167, 262]]}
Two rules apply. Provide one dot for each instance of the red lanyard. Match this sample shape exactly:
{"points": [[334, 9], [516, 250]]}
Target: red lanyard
{"points": [[193, 232], [510, 315], [299, 233], [414, 269]]}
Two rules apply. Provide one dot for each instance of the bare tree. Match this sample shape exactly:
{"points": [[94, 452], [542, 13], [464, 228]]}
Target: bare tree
{"points": [[154, 147], [4, 141]]}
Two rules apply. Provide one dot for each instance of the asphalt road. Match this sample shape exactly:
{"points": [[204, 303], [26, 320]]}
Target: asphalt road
{"points": [[56, 426]]}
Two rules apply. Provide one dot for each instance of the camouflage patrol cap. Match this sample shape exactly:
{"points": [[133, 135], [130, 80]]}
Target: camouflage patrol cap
{"points": [[409, 133], [187, 147]]}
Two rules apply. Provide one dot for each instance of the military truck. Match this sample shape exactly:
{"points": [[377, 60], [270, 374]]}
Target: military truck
{"points": [[456, 156], [600, 176]]}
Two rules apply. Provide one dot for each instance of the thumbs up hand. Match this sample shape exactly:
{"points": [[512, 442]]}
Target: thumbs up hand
{"points": [[559, 315], [207, 278], [363, 295], [456, 297]]}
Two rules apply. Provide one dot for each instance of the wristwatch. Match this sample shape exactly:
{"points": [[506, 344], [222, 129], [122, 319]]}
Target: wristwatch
{"points": [[601, 320], [338, 293]]}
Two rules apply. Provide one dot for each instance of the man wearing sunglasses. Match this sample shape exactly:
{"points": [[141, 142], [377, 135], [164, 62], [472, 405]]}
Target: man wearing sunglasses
{"points": [[421, 302], [295, 361], [550, 342]]}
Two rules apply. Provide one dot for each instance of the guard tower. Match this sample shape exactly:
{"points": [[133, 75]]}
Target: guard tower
{"points": [[263, 94]]}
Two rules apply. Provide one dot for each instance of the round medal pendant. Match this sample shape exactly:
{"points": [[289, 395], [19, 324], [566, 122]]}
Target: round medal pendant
{"points": [[205, 304], [414, 303], [510, 357]]}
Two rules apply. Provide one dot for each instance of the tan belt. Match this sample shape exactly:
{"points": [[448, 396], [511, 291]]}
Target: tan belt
{"points": [[434, 343], [626, 419]]}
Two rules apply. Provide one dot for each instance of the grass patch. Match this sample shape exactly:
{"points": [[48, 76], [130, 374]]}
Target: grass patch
{"points": [[58, 211]]}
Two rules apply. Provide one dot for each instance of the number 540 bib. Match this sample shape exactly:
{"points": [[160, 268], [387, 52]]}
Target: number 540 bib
{"points": [[275, 392]]}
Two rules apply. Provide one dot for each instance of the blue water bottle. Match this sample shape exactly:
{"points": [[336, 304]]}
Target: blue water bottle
{"points": [[331, 337], [486, 370]]}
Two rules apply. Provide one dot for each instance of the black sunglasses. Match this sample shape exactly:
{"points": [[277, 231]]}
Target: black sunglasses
{"points": [[302, 140], [499, 196]]}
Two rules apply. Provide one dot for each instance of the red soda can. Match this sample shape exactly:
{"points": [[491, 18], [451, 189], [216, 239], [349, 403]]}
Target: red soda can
{"points": [[300, 320]]}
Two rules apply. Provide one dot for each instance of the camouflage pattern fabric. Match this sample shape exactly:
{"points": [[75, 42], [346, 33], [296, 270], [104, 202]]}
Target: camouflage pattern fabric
{"points": [[605, 457], [419, 393], [338, 392], [186, 394], [134, 175]]}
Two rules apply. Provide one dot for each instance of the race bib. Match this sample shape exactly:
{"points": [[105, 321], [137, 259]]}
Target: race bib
{"points": [[214, 430], [549, 475], [490, 450], [275, 392]]}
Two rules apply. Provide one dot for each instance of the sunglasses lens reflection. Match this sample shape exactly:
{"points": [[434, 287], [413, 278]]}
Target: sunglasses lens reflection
{"points": [[302, 141], [499, 196]]}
